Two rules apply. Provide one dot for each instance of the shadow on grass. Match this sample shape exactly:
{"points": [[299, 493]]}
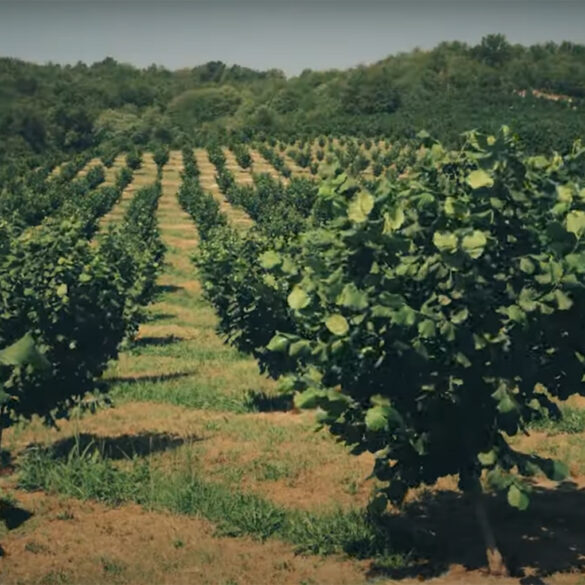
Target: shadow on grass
{"points": [[547, 538], [120, 447], [259, 401], [146, 378], [160, 289], [159, 317], [156, 341], [12, 516]]}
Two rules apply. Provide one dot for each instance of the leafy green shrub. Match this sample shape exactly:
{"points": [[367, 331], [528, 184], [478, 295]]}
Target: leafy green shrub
{"points": [[201, 206], [242, 155], [133, 160], [108, 158], [435, 317], [428, 320], [95, 176], [73, 301], [135, 246], [124, 178], [190, 168], [161, 157]]}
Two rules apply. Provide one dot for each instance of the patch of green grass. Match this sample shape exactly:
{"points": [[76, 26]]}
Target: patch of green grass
{"points": [[185, 349], [273, 470], [572, 421], [235, 513], [56, 577], [182, 392], [112, 567]]}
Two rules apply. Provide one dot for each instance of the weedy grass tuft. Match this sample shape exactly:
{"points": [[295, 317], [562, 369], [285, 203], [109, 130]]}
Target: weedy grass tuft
{"points": [[89, 475]]}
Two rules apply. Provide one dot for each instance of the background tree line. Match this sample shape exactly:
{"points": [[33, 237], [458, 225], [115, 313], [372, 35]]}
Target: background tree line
{"points": [[453, 87]]}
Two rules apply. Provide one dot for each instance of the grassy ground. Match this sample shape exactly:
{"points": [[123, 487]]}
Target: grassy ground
{"points": [[238, 217], [202, 474], [242, 176], [261, 165]]}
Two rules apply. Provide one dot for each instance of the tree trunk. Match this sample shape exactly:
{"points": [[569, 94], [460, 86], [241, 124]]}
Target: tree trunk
{"points": [[496, 564]]}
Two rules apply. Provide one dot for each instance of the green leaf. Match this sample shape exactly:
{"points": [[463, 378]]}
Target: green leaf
{"points": [[527, 266], [565, 193], [337, 324], [427, 328], [478, 179], [278, 343], [516, 313], [498, 480], [393, 300], [563, 301], [62, 290], [299, 347], [506, 404], [488, 458], [352, 298], [517, 498], [298, 298], [555, 470], [24, 352], [360, 207], [474, 244], [393, 220], [445, 241], [576, 223], [460, 316], [376, 418], [308, 399], [270, 259]]}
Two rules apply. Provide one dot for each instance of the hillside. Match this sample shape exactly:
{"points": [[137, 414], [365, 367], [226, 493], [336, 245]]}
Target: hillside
{"points": [[454, 87]]}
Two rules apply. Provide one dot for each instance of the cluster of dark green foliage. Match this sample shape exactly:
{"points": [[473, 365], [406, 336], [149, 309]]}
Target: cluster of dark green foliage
{"points": [[275, 160], [135, 245], [190, 168], [224, 177], [28, 200], [242, 154], [201, 206], [277, 209], [302, 157], [161, 158], [72, 300], [133, 159], [61, 110], [68, 304]]}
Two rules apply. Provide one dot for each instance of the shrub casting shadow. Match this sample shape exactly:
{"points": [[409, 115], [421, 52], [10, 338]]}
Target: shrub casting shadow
{"points": [[549, 537], [120, 447]]}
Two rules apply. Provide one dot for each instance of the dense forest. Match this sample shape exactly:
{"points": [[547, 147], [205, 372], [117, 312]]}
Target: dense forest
{"points": [[537, 90]]}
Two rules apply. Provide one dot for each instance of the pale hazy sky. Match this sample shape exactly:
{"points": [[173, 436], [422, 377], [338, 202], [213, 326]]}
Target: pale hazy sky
{"points": [[285, 34]]}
